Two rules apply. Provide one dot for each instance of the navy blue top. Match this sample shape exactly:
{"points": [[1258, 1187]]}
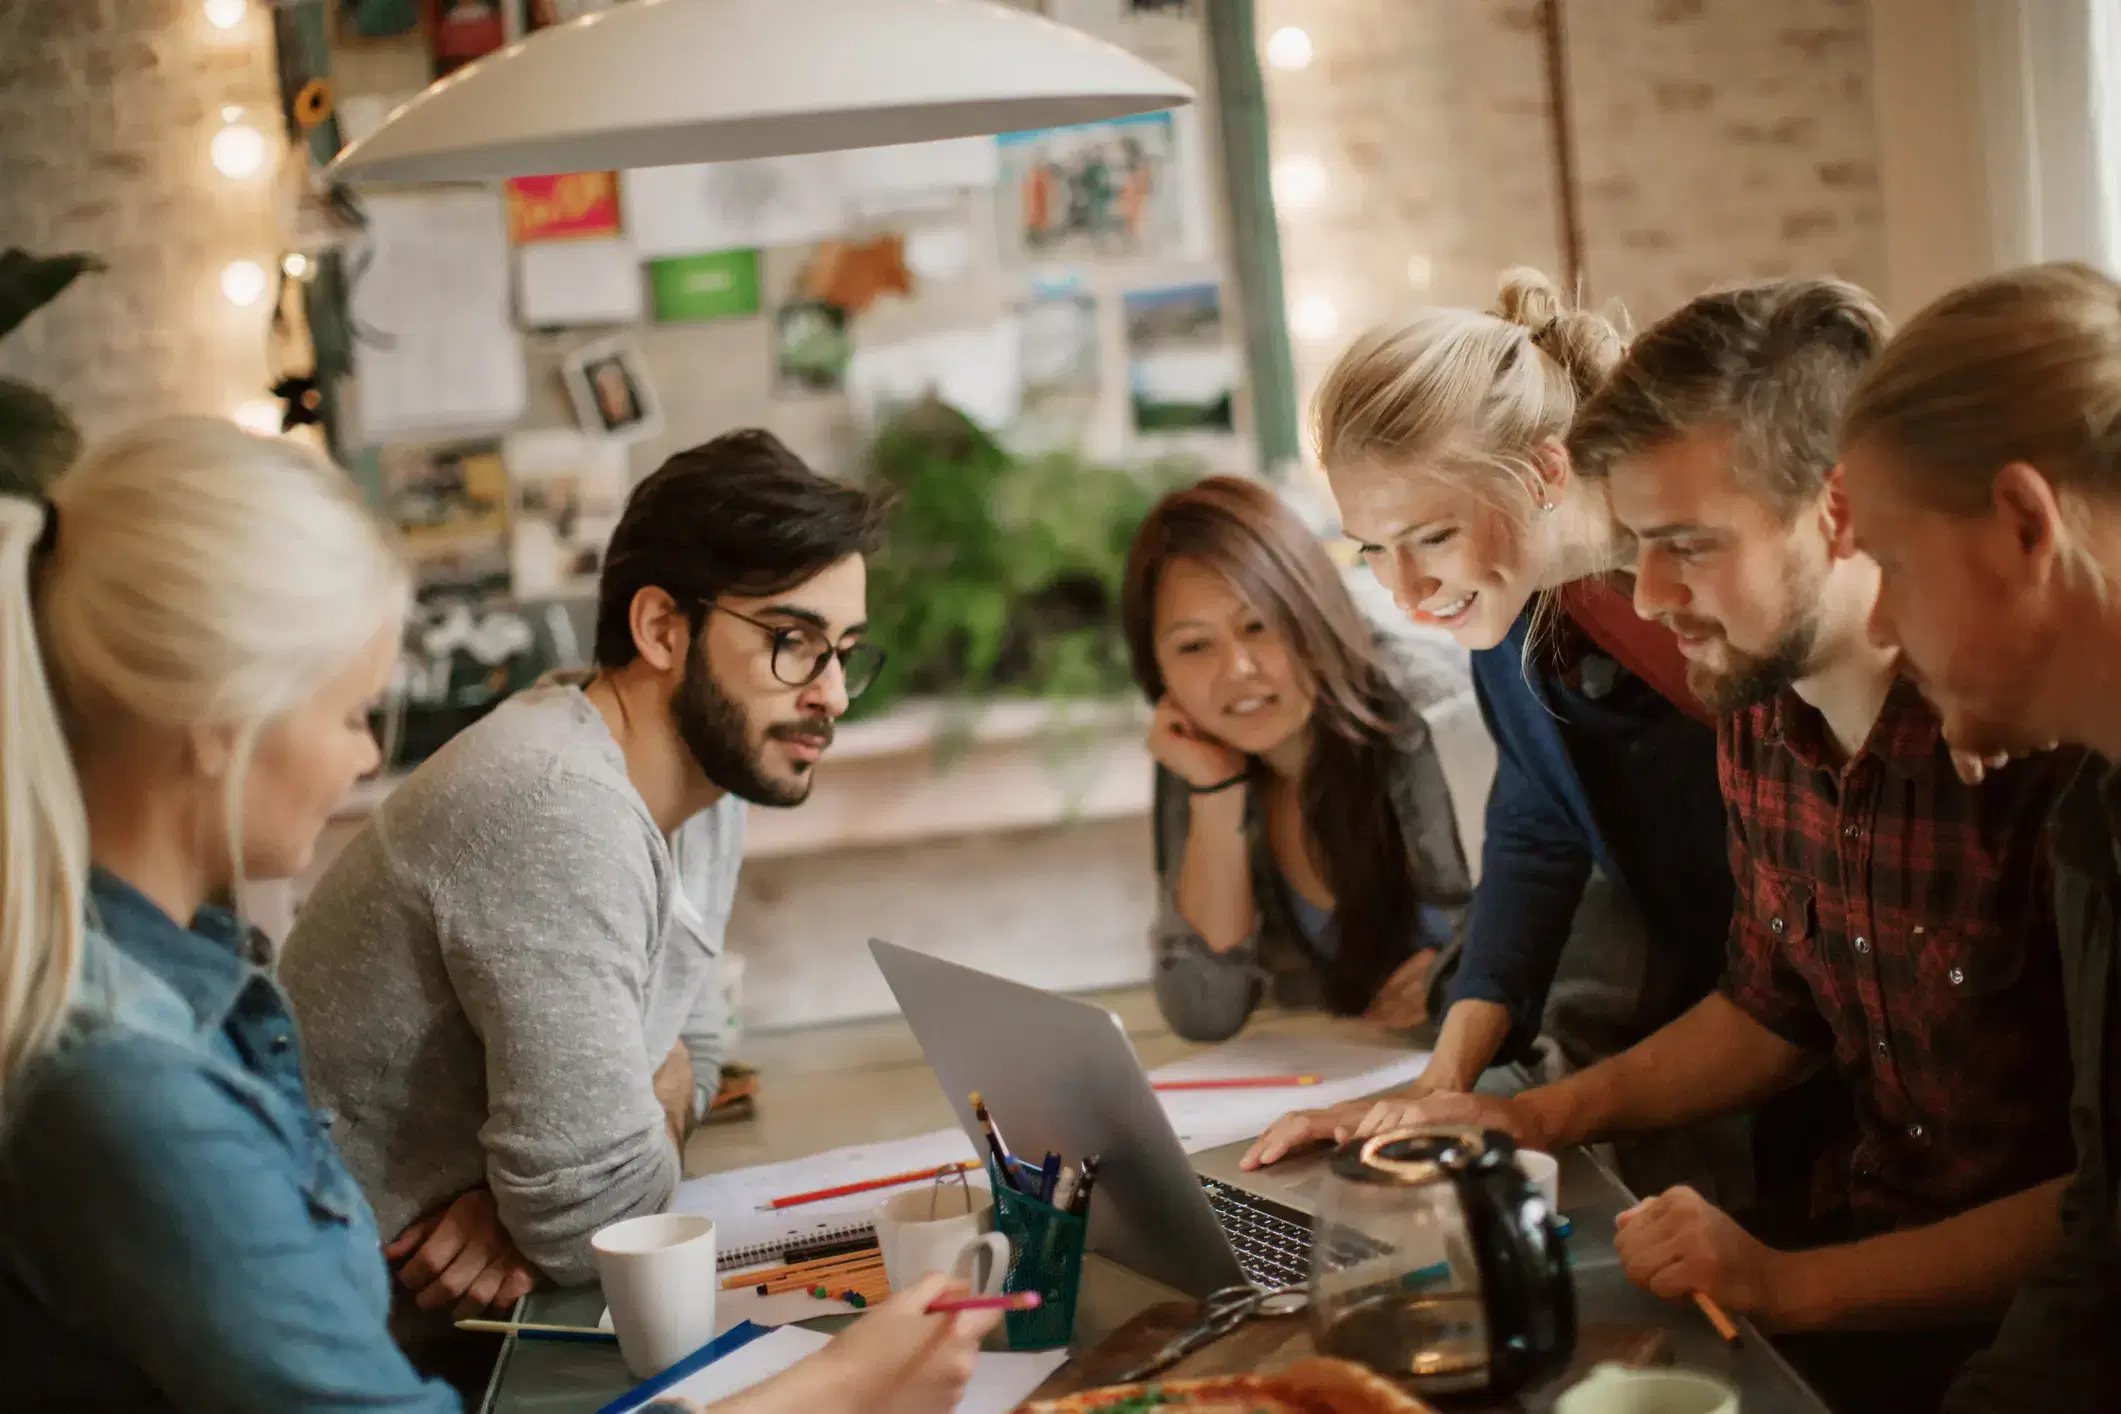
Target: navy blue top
{"points": [[1607, 774], [176, 1229]]}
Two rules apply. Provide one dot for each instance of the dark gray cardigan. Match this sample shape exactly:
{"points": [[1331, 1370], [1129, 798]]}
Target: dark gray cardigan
{"points": [[1207, 996]]}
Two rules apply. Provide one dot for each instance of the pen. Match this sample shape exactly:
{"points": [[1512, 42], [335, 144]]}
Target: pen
{"points": [[1064, 1186], [1049, 1177], [1003, 1164], [1079, 1205]]}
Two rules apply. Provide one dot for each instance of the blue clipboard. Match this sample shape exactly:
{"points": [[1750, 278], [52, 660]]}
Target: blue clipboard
{"points": [[728, 1342]]}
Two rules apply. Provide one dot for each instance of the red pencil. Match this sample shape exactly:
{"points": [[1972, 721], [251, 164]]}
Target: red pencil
{"points": [[1254, 1082], [797, 1200], [1014, 1301]]}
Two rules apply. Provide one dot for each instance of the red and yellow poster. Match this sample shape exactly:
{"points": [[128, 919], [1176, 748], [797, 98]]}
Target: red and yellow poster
{"points": [[563, 208]]}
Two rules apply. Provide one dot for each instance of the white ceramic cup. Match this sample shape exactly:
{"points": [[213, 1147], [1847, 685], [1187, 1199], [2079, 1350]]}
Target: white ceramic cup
{"points": [[1544, 1172], [1617, 1389], [929, 1230], [659, 1281]]}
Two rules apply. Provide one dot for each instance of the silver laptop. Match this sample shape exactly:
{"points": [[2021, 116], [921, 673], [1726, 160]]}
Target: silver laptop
{"points": [[1060, 1074]]}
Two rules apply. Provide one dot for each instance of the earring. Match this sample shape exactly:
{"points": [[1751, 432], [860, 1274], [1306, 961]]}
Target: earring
{"points": [[1546, 508]]}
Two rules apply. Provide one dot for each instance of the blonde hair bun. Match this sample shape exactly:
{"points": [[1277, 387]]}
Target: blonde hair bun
{"points": [[1586, 345]]}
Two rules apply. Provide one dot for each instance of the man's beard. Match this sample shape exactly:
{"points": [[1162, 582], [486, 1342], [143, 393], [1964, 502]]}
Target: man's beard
{"points": [[1744, 679], [714, 729]]}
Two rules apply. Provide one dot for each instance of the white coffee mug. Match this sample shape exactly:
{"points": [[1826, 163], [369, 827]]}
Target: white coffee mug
{"points": [[1620, 1389], [930, 1230], [1543, 1171], [659, 1281]]}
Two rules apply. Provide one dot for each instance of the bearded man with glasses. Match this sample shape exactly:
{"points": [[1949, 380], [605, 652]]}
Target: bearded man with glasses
{"points": [[505, 981]]}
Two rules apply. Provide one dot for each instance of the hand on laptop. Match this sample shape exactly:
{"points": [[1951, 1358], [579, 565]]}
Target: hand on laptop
{"points": [[1361, 1119], [462, 1256]]}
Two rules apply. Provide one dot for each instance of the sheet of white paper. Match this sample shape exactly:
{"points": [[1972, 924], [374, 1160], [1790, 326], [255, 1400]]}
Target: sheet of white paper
{"points": [[999, 1382], [765, 201], [754, 1364], [977, 371], [737, 1200], [578, 282], [1347, 1070], [436, 350]]}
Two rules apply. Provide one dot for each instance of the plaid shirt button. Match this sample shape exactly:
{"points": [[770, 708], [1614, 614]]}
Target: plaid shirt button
{"points": [[1957, 977], [1863, 945], [1915, 1132]]}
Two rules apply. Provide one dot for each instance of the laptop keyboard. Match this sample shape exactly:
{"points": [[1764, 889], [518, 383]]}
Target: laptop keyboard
{"points": [[1272, 1240]]}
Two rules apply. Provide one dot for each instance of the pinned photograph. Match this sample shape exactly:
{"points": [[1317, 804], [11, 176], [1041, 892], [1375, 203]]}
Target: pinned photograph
{"points": [[450, 504], [1182, 374], [566, 493], [611, 394], [1058, 328], [1095, 190], [810, 347]]}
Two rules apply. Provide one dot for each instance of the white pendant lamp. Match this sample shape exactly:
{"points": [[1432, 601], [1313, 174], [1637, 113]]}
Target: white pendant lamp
{"points": [[652, 83]]}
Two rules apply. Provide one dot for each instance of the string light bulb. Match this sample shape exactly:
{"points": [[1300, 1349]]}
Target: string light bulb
{"points": [[1314, 319], [1299, 182], [296, 265], [225, 14], [243, 281], [238, 149], [1289, 48]]}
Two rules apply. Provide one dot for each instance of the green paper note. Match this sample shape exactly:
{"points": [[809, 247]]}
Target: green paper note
{"points": [[718, 285]]}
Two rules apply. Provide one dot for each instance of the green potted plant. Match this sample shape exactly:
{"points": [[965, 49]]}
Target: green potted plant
{"points": [[37, 439], [1000, 575]]}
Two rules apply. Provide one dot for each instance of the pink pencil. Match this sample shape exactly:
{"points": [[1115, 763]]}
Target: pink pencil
{"points": [[1255, 1082], [1014, 1301]]}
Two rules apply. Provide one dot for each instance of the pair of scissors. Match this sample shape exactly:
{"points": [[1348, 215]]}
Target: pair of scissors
{"points": [[1223, 1312]]}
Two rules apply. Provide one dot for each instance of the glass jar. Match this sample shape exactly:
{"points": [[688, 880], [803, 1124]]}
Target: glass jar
{"points": [[1436, 1261]]}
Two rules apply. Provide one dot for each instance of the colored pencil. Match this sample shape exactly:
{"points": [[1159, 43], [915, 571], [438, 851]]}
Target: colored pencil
{"points": [[1725, 1326], [861, 1258], [1254, 1082], [1014, 1301], [531, 1330], [897, 1180], [835, 1277]]}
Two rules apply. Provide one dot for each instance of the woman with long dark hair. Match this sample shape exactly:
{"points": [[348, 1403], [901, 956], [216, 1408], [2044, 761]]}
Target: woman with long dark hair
{"points": [[1305, 837]]}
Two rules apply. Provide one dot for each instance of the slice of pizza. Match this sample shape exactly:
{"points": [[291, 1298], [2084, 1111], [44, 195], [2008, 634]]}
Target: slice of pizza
{"points": [[1309, 1387]]}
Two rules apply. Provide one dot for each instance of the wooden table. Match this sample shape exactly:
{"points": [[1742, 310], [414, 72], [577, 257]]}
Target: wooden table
{"points": [[550, 1378]]}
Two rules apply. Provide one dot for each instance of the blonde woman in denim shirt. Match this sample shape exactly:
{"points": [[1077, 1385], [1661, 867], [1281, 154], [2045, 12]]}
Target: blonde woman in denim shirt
{"points": [[193, 631]]}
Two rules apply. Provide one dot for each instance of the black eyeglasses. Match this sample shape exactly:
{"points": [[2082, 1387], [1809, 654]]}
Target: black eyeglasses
{"points": [[800, 654]]}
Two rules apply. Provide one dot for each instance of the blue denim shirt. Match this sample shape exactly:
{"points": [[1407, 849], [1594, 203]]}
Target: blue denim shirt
{"points": [[176, 1229]]}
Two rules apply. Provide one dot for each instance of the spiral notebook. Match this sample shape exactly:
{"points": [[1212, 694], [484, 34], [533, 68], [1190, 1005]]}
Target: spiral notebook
{"points": [[749, 1232]]}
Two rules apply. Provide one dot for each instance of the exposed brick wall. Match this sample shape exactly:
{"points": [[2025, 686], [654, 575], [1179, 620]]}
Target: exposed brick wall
{"points": [[107, 108], [1715, 140]]}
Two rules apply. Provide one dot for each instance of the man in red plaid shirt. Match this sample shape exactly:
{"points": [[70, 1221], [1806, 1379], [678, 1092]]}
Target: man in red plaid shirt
{"points": [[1892, 921]]}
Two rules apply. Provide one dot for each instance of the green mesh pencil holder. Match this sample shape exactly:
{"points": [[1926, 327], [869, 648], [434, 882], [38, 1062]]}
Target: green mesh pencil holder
{"points": [[1046, 1256]]}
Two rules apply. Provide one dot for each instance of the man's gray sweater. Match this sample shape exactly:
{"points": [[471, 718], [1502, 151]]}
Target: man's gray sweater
{"points": [[487, 978]]}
